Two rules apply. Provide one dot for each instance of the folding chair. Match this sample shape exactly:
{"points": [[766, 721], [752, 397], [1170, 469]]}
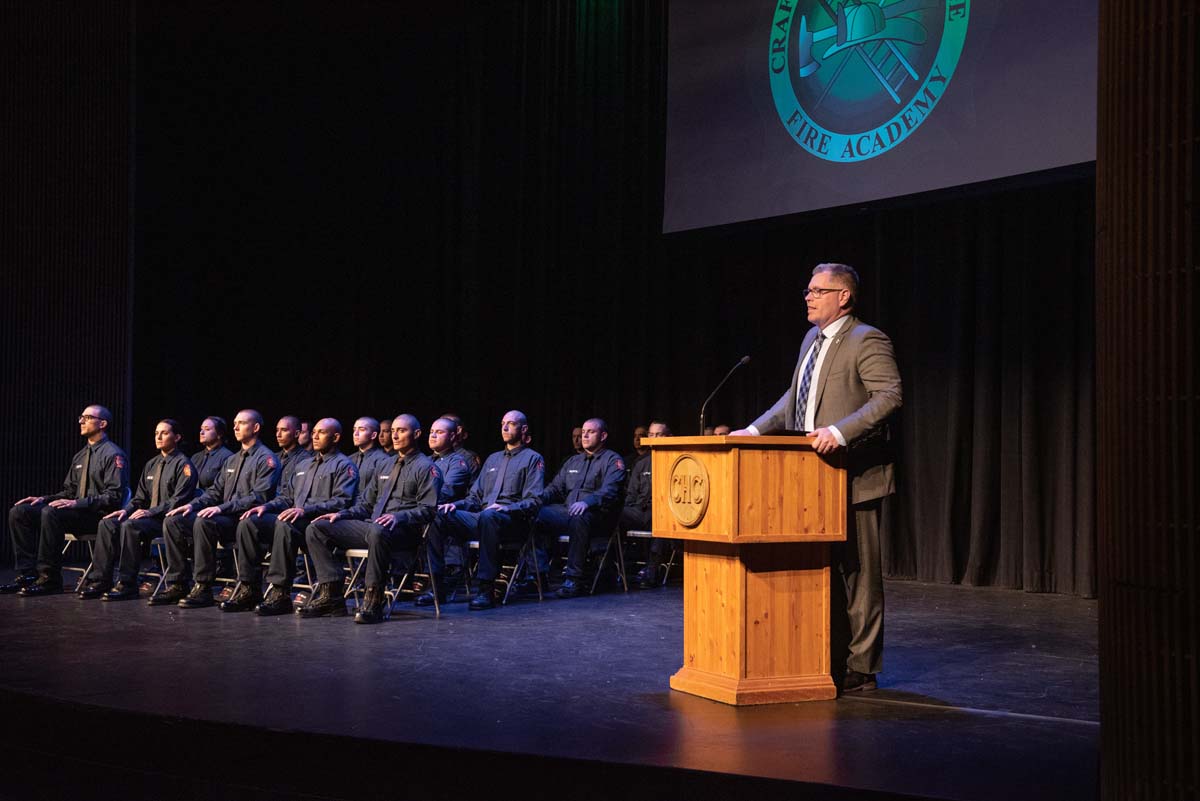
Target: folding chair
{"points": [[618, 562], [614, 544], [90, 541], [526, 553], [670, 563], [356, 559], [158, 547]]}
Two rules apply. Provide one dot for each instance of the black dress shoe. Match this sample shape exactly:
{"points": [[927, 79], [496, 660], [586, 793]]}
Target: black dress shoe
{"points": [[371, 610], [426, 598], [647, 577], [856, 682], [171, 594], [94, 589], [572, 588], [244, 599], [327, 601], [199, 597], [527, 585], [122, 592], [485, 598], [276, 602], [19, 583], [46, 584]]}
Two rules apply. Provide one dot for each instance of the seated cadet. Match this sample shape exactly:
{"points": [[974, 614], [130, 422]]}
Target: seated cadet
{"points": [[501, 504], [167, 481], [636, 513], [639, 450], [292, 453], [721, 430], [460, 441], [369, 457], [304, 436], [388, 516], [249, 478], [208, 461], [385, 438], [96, 483], [583, 501], [453, 464], [456, 480], [325, 483], [576, 444]]}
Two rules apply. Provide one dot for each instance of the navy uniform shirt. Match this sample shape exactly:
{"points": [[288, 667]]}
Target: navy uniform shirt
{"points": [[177, 484], [456, 476], [512, 478], [368, 464], [472, 458], [596, 479], [289, 463], [407, 487], [248, 479], [640, 489], [208, 466], [108, 478], [319, 485]]}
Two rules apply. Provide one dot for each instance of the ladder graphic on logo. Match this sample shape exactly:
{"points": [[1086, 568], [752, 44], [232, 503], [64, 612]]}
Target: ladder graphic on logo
{"points": [[859, 24]]}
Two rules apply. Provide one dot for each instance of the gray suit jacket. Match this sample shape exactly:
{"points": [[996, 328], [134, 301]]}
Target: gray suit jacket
{"points": [[857, 390]]}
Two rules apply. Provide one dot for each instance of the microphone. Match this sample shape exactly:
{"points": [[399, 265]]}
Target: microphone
{"points": [[704, 408]]}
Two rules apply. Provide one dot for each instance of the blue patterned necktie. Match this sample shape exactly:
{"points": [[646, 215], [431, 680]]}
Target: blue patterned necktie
{"points": [[806, 383]]}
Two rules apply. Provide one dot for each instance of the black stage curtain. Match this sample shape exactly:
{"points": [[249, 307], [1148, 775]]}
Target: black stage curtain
{"points": [[987, 296], [364, 208], [65, 223]]}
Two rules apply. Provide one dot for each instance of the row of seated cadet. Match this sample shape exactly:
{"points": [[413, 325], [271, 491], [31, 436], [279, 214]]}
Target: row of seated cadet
{"points": [[384, 502]]}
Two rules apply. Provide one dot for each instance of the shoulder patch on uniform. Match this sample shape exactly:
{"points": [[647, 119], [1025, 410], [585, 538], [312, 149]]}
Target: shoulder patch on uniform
{"points": [[433, 471], [119, 461], [353, 471], [620, 463], [270, 462], [540, 465], [187, 470]]}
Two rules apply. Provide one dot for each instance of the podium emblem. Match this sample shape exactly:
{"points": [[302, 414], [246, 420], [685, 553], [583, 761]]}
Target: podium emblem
{"points": [[689, 490]]}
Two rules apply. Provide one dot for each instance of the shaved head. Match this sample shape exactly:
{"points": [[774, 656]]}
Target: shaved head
{"points": [[252, 415], [408, 419]]}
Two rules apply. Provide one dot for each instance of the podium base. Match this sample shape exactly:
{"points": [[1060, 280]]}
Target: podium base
{"points": [[745, 692]]}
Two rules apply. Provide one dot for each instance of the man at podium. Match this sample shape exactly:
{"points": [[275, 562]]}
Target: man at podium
{"points": [[844, 388]]}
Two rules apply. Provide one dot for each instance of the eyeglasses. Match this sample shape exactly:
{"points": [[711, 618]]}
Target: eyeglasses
{"points": [[83, 418], [820, 291]]}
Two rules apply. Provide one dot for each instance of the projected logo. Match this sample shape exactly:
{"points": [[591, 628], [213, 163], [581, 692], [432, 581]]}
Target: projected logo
{"points": [[852, 82]]}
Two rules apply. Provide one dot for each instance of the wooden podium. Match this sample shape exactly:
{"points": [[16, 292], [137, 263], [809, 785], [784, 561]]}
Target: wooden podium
{"points": [[757, 515]]}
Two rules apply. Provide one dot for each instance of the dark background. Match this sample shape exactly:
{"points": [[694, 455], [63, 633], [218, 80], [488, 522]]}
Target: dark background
{"points": [[367, 208]]}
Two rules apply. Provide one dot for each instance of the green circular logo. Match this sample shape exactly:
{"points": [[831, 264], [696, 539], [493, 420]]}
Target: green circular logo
{"points": [[853, 82]]}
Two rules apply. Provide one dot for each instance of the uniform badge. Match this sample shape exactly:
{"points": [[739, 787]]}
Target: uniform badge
{"points": [[353, 472], [271, 462], [620, 464], [187, 470], [433, 471], [119, 461]]}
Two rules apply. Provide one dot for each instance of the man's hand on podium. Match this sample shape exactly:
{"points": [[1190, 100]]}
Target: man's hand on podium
{"points": [[824, 441]]}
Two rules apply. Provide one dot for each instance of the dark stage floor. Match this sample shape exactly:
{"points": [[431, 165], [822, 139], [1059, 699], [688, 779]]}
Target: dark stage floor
{"points": [[987, 694]]}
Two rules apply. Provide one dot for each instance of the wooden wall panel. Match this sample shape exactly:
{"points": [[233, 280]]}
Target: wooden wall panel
{"points": [[1148, 365]]}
